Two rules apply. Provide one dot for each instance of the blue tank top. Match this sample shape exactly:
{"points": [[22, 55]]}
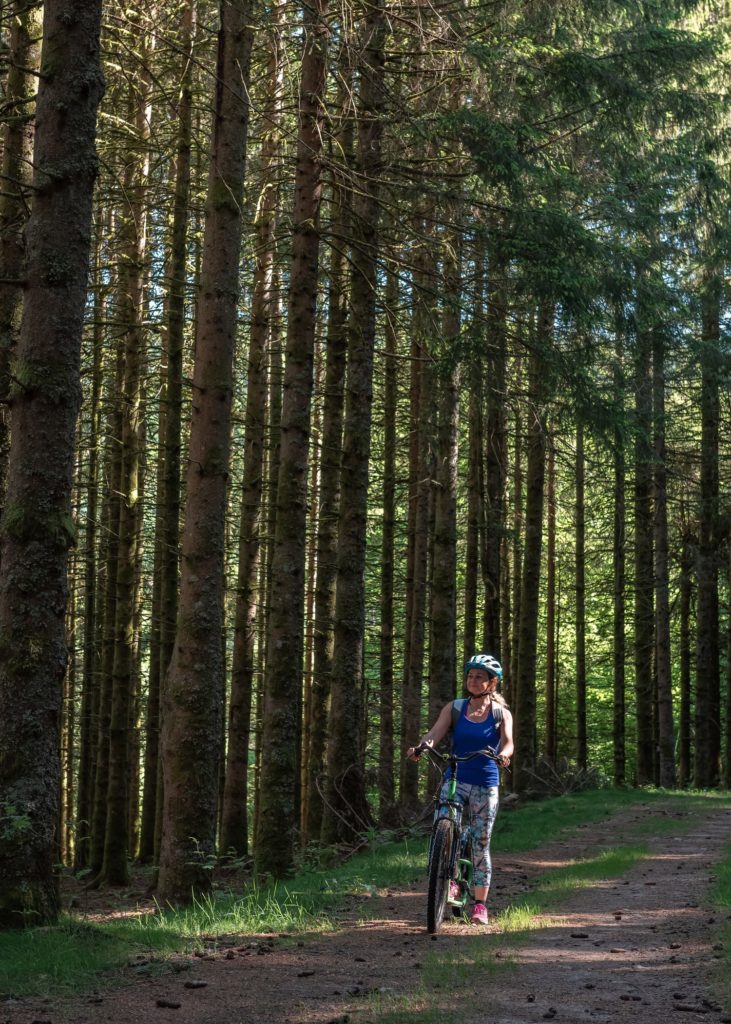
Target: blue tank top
{"points": [[470, 736]]}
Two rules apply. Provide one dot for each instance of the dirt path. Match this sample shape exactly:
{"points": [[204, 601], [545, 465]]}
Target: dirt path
{"points": [[637, 948]]}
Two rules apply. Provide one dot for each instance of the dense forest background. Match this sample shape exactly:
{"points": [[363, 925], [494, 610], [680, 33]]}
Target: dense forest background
{"points": [[374, 334]]}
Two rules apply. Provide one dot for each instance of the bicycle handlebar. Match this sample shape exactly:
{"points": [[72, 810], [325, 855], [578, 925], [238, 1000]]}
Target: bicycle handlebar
{"points": [[486, 752]]}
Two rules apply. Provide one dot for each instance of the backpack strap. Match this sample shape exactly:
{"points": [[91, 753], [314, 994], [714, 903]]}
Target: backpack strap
{"points": [[458, 705]]}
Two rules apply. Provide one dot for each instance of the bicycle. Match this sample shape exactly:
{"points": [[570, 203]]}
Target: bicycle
{"points": [[450, 849]]}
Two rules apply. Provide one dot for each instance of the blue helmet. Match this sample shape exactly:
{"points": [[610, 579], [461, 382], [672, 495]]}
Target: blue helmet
{"points": [[487, 663]]}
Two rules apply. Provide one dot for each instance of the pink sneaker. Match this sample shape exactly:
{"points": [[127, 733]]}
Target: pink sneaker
{"points": [[454, 892], [479, 914]]}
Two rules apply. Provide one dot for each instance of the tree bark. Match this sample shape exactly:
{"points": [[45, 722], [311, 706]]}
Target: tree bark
{"points": [[234, 818], [90, 658], [443, 618], [551, 701], [386, 788], [510, 668], [525, 719], [170, 427], [37, 529], [130, 312], [663, 664], [23, 56], [347, 813], [474, 501], [278, 820], [192, 698], [108, 602], [581, 751], [495, 440], [643, 553], [332, 440], [411, 715], [708, 702], [685, 768], [414, 667], [619, 581]]}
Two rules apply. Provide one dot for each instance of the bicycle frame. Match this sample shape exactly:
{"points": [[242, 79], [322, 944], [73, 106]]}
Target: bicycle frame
{"points": [[461, 868], [453, 809]]}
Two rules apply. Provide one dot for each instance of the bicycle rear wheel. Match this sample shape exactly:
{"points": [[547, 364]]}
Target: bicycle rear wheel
{"points": [[439, 872]]}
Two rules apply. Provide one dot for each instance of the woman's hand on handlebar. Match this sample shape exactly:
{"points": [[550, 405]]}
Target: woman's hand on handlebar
{"points": [[414, 753]]}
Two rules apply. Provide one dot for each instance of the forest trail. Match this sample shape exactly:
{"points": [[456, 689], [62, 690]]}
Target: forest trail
{"points": [[642, 945]]}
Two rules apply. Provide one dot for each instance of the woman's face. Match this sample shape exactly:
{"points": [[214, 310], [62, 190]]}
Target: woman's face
{"points": [[478, 682]]}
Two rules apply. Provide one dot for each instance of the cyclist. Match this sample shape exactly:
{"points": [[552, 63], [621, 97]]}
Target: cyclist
{"points": [[477, 784]]}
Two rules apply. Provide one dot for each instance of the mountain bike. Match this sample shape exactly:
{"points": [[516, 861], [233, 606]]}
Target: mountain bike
{"points": [[450, 848]]}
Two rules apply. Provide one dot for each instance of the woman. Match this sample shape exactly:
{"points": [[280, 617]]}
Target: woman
{"points": [[478, 725]]}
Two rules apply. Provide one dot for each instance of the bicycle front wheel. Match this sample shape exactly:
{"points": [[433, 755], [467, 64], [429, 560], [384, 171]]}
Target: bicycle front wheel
{"points": [[439, 874]]}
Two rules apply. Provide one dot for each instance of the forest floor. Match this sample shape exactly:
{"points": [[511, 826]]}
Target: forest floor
{"points": [[643, 945]]}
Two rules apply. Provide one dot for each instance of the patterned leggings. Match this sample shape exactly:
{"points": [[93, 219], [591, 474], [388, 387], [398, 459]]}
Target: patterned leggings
{"points": [[481, 803]]}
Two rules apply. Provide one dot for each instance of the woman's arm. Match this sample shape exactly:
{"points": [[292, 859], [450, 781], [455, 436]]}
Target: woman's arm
{"points": [[506, 738], [437, 732]]}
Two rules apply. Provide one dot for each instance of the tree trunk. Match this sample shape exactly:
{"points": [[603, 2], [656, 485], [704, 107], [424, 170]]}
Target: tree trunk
{"points": [[329, 497], [727, 751], [644, 604], [193, 699], [619, 562], [130, 312], [346, 812], [510, 673], [495, 440], [108, 600], [708, 703], [685, 771], [666, 731], [278, 820], [386, 789], [410, 710], [90, 662], [17, 160], [170, 426], [581, 751], [474, 501], [37, 529], [443, 618], [414, 667], [551, 702], [234, 819], [525, 684]]}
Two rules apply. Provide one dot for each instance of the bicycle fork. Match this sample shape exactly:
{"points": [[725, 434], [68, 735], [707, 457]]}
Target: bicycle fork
{"points": [[462, 870]]}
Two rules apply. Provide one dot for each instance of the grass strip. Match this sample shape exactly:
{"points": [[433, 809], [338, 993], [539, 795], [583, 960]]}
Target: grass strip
{"points": [[534, 824], [721, 899], [76, 952]]}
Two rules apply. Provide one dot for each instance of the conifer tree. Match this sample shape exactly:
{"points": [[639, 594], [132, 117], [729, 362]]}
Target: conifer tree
{"points": [[37, 530]]}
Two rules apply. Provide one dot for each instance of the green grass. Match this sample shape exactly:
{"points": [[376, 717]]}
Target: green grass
{"points": [[530, 826], [76, 953], [721, 898], [552, 888]]}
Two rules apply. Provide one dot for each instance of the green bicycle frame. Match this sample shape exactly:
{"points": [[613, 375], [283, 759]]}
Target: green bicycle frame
{"points": [[464, 866]]}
